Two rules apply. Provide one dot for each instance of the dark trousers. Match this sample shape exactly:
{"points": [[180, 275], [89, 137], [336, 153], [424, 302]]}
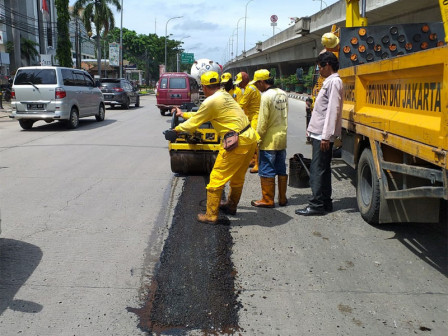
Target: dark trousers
{"points": [[320, 176]]}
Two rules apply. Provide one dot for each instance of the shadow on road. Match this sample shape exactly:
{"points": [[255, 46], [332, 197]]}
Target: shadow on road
{"points": [[18, 260], [84, 125], [427, 241], [264, 217], [341, 171]]}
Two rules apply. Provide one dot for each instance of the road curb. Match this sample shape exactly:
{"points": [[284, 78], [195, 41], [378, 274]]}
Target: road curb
{"points": [[298, 96]]}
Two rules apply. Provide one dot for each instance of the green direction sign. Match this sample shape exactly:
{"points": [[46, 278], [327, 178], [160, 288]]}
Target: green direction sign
{"points": [[187, 58]]}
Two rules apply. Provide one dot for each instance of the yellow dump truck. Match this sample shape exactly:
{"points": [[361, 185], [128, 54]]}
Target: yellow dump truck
{"points": [[395, 119]]}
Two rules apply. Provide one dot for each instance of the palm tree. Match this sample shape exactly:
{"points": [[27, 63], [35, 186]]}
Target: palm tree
{"points": [[28, 49], [98, 13]]}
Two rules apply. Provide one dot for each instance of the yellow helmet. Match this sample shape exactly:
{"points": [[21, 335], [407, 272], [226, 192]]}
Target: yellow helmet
{"points": [[329, 40], [209, 78], [226, 76], [261, 74]]}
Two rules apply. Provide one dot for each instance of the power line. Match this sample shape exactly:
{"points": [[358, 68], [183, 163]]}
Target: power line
{"points": [[25, 23], [21, 21]]}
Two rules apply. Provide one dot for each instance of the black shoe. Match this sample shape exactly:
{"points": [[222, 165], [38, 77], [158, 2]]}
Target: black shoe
{"points": [[328, 208], [309, 211]]}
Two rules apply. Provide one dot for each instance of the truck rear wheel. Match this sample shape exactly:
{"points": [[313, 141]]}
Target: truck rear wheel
{"points": [[368, 188]]}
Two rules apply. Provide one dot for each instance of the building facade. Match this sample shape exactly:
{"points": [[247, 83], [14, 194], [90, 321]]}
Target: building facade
{"points": [[34, 22]]}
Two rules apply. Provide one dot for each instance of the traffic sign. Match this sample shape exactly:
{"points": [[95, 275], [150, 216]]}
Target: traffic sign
{"points": [[187, 58], [274, 18]]}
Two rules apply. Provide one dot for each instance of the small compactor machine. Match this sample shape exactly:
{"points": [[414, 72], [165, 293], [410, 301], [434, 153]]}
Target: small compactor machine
{"points": [[193, 154]]}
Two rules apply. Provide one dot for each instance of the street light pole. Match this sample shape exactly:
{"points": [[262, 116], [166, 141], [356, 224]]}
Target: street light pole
{"points": [[245, 19], [236, 52], [166, 36], [321, 3], [233, 34], [177, 62], [121, 42]]}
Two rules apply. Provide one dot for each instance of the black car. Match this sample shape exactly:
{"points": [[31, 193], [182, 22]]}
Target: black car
{"points": [[118, 91]]}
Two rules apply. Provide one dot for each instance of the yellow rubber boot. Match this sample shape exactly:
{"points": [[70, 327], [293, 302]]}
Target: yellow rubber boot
{"points": [[282, 185], [268, 192], [229, 206], [255, 168], [213, 200], [252, 163]]}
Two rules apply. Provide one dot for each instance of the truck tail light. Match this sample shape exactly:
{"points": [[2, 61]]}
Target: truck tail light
{"points": [[60, 93], [13, 94]]}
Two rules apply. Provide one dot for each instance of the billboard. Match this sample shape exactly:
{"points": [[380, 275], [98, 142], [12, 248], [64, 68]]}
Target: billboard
{"points": [[114, 54]]}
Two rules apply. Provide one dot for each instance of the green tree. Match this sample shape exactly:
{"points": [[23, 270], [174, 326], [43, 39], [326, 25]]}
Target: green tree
{"points": [[308, 79], [98, 13], [63, 49], [145, 51], [28, 49]]}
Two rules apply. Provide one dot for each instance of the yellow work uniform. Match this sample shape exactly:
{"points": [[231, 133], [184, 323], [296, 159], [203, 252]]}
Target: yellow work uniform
{"points": [[225, 115], [250, 103], [273, 120], [236, 93]]}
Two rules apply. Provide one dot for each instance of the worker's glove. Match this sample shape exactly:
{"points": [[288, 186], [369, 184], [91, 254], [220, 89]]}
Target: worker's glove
{"points": [[170, 135]]}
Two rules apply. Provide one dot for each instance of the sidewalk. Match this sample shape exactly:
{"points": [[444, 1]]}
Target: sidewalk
{"points": [[5, 111]]}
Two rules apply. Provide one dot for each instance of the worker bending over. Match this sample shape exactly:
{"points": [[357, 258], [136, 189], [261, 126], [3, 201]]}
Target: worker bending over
{"points": [[225, 115]]}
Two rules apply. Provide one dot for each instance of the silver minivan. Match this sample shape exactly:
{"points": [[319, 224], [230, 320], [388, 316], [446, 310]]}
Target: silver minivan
{"points": [[52, 93]]}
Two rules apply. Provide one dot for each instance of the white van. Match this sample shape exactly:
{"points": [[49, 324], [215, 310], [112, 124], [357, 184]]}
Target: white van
{"points": [[55, 93]]}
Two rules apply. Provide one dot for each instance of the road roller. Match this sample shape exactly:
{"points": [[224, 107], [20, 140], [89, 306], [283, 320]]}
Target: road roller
{"points": [[193, 153]]}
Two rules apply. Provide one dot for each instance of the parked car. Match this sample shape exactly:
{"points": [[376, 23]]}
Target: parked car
{"points": [[176, 88], [119, 91], [55, 93]]}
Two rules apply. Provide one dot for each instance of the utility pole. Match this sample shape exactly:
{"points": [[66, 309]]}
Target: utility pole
{"points": [[40, 26], [121, 42], [77, 38], [80, 47], [16, 38]]}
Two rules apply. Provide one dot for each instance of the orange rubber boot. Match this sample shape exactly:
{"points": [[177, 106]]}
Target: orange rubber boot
{"points": [[268, 192], [255, 167], [282, 185]]}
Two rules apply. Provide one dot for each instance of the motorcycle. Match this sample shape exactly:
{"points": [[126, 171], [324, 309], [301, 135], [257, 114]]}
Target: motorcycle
{"points": [[6, 92]]}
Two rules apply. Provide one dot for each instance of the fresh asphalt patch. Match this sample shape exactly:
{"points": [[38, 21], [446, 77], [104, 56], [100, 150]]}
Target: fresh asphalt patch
{"points": [[193, 287]]}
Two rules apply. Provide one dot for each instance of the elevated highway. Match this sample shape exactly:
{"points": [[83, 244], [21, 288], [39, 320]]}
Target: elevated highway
{"points": [[299, 45]]}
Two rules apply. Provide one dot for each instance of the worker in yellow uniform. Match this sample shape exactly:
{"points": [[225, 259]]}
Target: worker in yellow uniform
{"points": [[272, 129], [232, 89], [225, 115], [250, 103]]}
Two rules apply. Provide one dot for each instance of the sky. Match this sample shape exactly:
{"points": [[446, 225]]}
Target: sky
{"points": [[211, 29]]}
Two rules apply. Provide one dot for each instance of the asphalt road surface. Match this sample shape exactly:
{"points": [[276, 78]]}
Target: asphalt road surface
{"points": [[99, 238]]}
